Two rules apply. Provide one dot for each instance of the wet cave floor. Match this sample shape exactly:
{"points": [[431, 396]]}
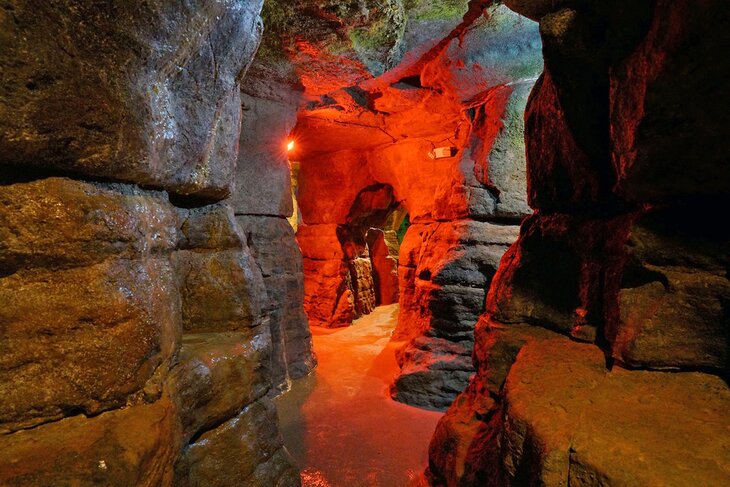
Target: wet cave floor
{"points": [[340, 424]]}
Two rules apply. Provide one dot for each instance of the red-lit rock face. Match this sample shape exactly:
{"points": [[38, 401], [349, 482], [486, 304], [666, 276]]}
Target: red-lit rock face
{"points": [[383, 248], [465, 95], [624, 252], [657, 162]]}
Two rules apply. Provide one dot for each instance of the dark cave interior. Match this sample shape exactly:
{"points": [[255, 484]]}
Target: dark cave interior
{"points": [[373, 242]]}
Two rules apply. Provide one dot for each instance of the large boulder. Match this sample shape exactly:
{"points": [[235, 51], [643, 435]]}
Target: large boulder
{"points": [[433, 372], [59, 223], [564, 274], [221, 290], [136, 445], [215, 374], [85, 340], [245, 449], [564, 426], [145, 92], [532, 426], [563, 174]]}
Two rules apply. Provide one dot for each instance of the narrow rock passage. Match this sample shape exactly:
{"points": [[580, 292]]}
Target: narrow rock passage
{"points": [[340, 424]]}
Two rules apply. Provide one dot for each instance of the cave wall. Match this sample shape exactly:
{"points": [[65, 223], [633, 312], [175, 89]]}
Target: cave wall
{"points": [[136, 316], [262, 201], [602, 352], [384, 250], [467, 92]]}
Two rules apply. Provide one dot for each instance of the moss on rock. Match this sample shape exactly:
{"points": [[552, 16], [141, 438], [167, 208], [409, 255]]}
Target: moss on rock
{"points": [[436, 9]]}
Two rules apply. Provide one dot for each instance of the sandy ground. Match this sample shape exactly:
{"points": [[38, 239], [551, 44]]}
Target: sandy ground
{"points": [[340, 424]]}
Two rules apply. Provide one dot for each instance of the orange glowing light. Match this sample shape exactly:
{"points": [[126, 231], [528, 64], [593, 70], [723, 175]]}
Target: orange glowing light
{"points": [[290, 146]]}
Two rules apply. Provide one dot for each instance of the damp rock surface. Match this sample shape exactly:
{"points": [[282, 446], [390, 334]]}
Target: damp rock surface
{"points": [[169, 117], [134, 331], [566, 426], [276, 253]]}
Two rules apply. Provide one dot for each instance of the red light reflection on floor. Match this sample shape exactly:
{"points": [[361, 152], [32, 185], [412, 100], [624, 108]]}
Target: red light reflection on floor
{"points": [[340, 424]]}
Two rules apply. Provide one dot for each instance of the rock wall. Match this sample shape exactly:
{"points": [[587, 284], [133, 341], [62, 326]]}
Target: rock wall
{"points": [[384, 249], [263, 202], [467, 92], [340, 280], [621, 274], [135, 327]]}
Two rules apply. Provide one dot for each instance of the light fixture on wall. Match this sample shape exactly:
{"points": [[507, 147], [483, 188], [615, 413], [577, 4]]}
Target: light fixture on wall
{"points": [[290, 146]]}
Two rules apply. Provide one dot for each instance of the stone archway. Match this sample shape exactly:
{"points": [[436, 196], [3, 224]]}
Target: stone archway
{"points": [[338, 263]]}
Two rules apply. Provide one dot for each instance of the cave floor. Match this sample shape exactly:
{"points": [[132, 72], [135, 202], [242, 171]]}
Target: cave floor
{"points": [[340, 424]]}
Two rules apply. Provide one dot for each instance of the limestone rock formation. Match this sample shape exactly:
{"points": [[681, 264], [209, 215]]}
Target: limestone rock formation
{"points": [[134, 327], [328, 297], [262, 202], [263, 179], [384, 249], [90, 314], [557, 432], [245, 447], [565, 295], [152, 89], [276, 252], [675, 276], [216, 372], [129, 446], [162, 338], [448, 266], [221, 287], [612, 257]]}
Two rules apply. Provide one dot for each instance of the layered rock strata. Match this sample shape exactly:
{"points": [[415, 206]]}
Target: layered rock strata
{"points": [[262, 202], [135, 320], [369, 149], [601, 355]]}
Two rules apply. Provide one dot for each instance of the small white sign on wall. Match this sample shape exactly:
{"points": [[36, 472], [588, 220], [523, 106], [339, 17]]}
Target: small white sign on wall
{"points": [[443, 152]]}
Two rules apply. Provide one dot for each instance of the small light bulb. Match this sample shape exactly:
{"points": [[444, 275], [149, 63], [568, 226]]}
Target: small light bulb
{"points": [[290, 145]]}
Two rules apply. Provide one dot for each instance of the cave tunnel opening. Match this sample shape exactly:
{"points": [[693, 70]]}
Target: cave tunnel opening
{"points": [[370, 246], [408, 187], [384, 247], [516, 220]]}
